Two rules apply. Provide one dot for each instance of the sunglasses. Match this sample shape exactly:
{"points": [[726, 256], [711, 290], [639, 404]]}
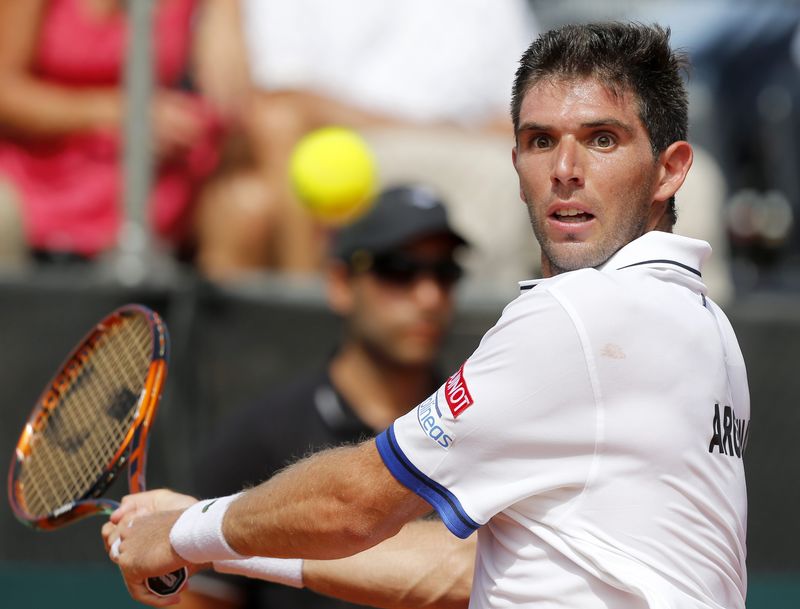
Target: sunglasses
{"points": [[403, 269]]}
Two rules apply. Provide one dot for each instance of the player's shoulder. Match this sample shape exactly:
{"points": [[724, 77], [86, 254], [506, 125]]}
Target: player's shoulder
{"points": [[551, 292], [540, 309], [578, 297]]}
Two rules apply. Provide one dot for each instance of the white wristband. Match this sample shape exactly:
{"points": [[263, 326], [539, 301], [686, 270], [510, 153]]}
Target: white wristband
{"points": [[286, 571], [197, 534]]}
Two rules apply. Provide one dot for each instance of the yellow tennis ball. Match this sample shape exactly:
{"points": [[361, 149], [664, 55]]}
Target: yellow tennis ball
{"points": [[334, 174]]}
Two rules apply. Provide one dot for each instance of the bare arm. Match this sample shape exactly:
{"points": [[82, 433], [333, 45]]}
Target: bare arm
{"points": [[334, 504], [31, 106], [423, 566], [36, 108], [219, 54]]}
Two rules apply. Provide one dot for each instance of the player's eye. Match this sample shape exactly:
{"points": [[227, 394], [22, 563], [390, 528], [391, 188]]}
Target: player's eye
{"points": [[541, 141], [603, 140]]}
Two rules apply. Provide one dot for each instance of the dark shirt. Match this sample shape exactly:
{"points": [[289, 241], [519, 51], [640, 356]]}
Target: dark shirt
{"points": [[289, 423]]}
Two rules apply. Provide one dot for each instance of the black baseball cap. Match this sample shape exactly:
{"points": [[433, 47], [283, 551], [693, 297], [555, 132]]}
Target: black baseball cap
{"points": [[399, 215]]}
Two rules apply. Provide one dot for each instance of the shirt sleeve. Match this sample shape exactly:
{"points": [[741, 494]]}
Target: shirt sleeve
{"points": [[518, 419]]}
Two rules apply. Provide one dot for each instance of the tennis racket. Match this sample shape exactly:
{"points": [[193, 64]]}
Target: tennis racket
{"points": [[92, 419]]}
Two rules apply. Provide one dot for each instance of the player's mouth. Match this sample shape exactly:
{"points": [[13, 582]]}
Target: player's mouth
{"points": [[570, 218]]}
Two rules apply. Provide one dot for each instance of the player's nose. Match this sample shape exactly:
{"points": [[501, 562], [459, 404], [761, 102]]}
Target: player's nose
{"points": [[567, 168]]}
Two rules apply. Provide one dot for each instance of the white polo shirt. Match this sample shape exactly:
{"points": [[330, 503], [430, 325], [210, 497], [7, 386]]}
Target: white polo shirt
{"points": [[595, 440]]}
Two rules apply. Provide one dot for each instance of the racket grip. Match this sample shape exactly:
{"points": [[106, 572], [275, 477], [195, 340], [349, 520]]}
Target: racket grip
{"points": [[167, 585]]}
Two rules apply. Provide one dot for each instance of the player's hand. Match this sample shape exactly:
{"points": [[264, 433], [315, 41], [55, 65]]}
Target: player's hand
{"points": [[140, 504], [147, 502], [145, 551]]}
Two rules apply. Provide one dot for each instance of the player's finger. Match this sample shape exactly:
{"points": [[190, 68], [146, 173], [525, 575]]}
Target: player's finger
{"points": [[109, 534], [127, 505], [138, 503]]}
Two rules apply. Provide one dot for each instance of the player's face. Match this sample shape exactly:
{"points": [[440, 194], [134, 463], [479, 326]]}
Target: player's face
{"points": [[402, 315], [587, 172]]}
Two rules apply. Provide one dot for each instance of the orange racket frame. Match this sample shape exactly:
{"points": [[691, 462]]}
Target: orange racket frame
{"points": [[132, 450]]}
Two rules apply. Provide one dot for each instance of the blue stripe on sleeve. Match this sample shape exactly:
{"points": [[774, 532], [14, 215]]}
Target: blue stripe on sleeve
{"points": [[442, 500]]}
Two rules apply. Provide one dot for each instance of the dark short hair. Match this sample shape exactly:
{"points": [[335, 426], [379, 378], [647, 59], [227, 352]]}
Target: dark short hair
{"points": [[626, 57]]}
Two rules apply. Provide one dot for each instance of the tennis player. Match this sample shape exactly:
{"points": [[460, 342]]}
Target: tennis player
{"points": [[595, 438]]}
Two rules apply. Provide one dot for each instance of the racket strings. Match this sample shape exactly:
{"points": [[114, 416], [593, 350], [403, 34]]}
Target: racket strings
{"points": [[91, 420]]}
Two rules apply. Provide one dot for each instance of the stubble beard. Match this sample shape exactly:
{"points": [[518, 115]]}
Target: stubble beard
{"points": [[573, 254]]}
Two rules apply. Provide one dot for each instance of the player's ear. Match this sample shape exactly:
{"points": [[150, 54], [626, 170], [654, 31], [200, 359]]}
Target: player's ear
{"points": [[339, 288], [514, 162], [674, 163]]}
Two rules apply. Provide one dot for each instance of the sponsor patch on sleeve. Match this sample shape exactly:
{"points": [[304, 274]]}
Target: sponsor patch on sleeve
{"points": [[457, 393], [429, 417]]}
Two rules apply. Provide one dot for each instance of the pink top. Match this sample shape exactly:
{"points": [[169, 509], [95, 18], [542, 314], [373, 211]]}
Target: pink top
{"points": [[71, 186]]}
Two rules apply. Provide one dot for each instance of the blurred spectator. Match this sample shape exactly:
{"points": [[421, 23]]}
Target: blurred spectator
{"points": [[428, 85], [390, 279], [61, 107]]}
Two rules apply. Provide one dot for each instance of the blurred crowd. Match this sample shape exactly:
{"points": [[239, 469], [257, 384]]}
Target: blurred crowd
{"points": [[236, 86], [237, 83]]}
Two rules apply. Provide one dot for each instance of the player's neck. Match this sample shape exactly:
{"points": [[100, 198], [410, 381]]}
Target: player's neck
{"points": [[378, 391]]}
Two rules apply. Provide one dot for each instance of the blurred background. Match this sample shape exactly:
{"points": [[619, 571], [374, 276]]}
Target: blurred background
{"points": [[143, 158]]}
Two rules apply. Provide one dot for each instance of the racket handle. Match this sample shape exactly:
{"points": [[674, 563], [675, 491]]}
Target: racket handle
{"points": [[167, 585]]}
